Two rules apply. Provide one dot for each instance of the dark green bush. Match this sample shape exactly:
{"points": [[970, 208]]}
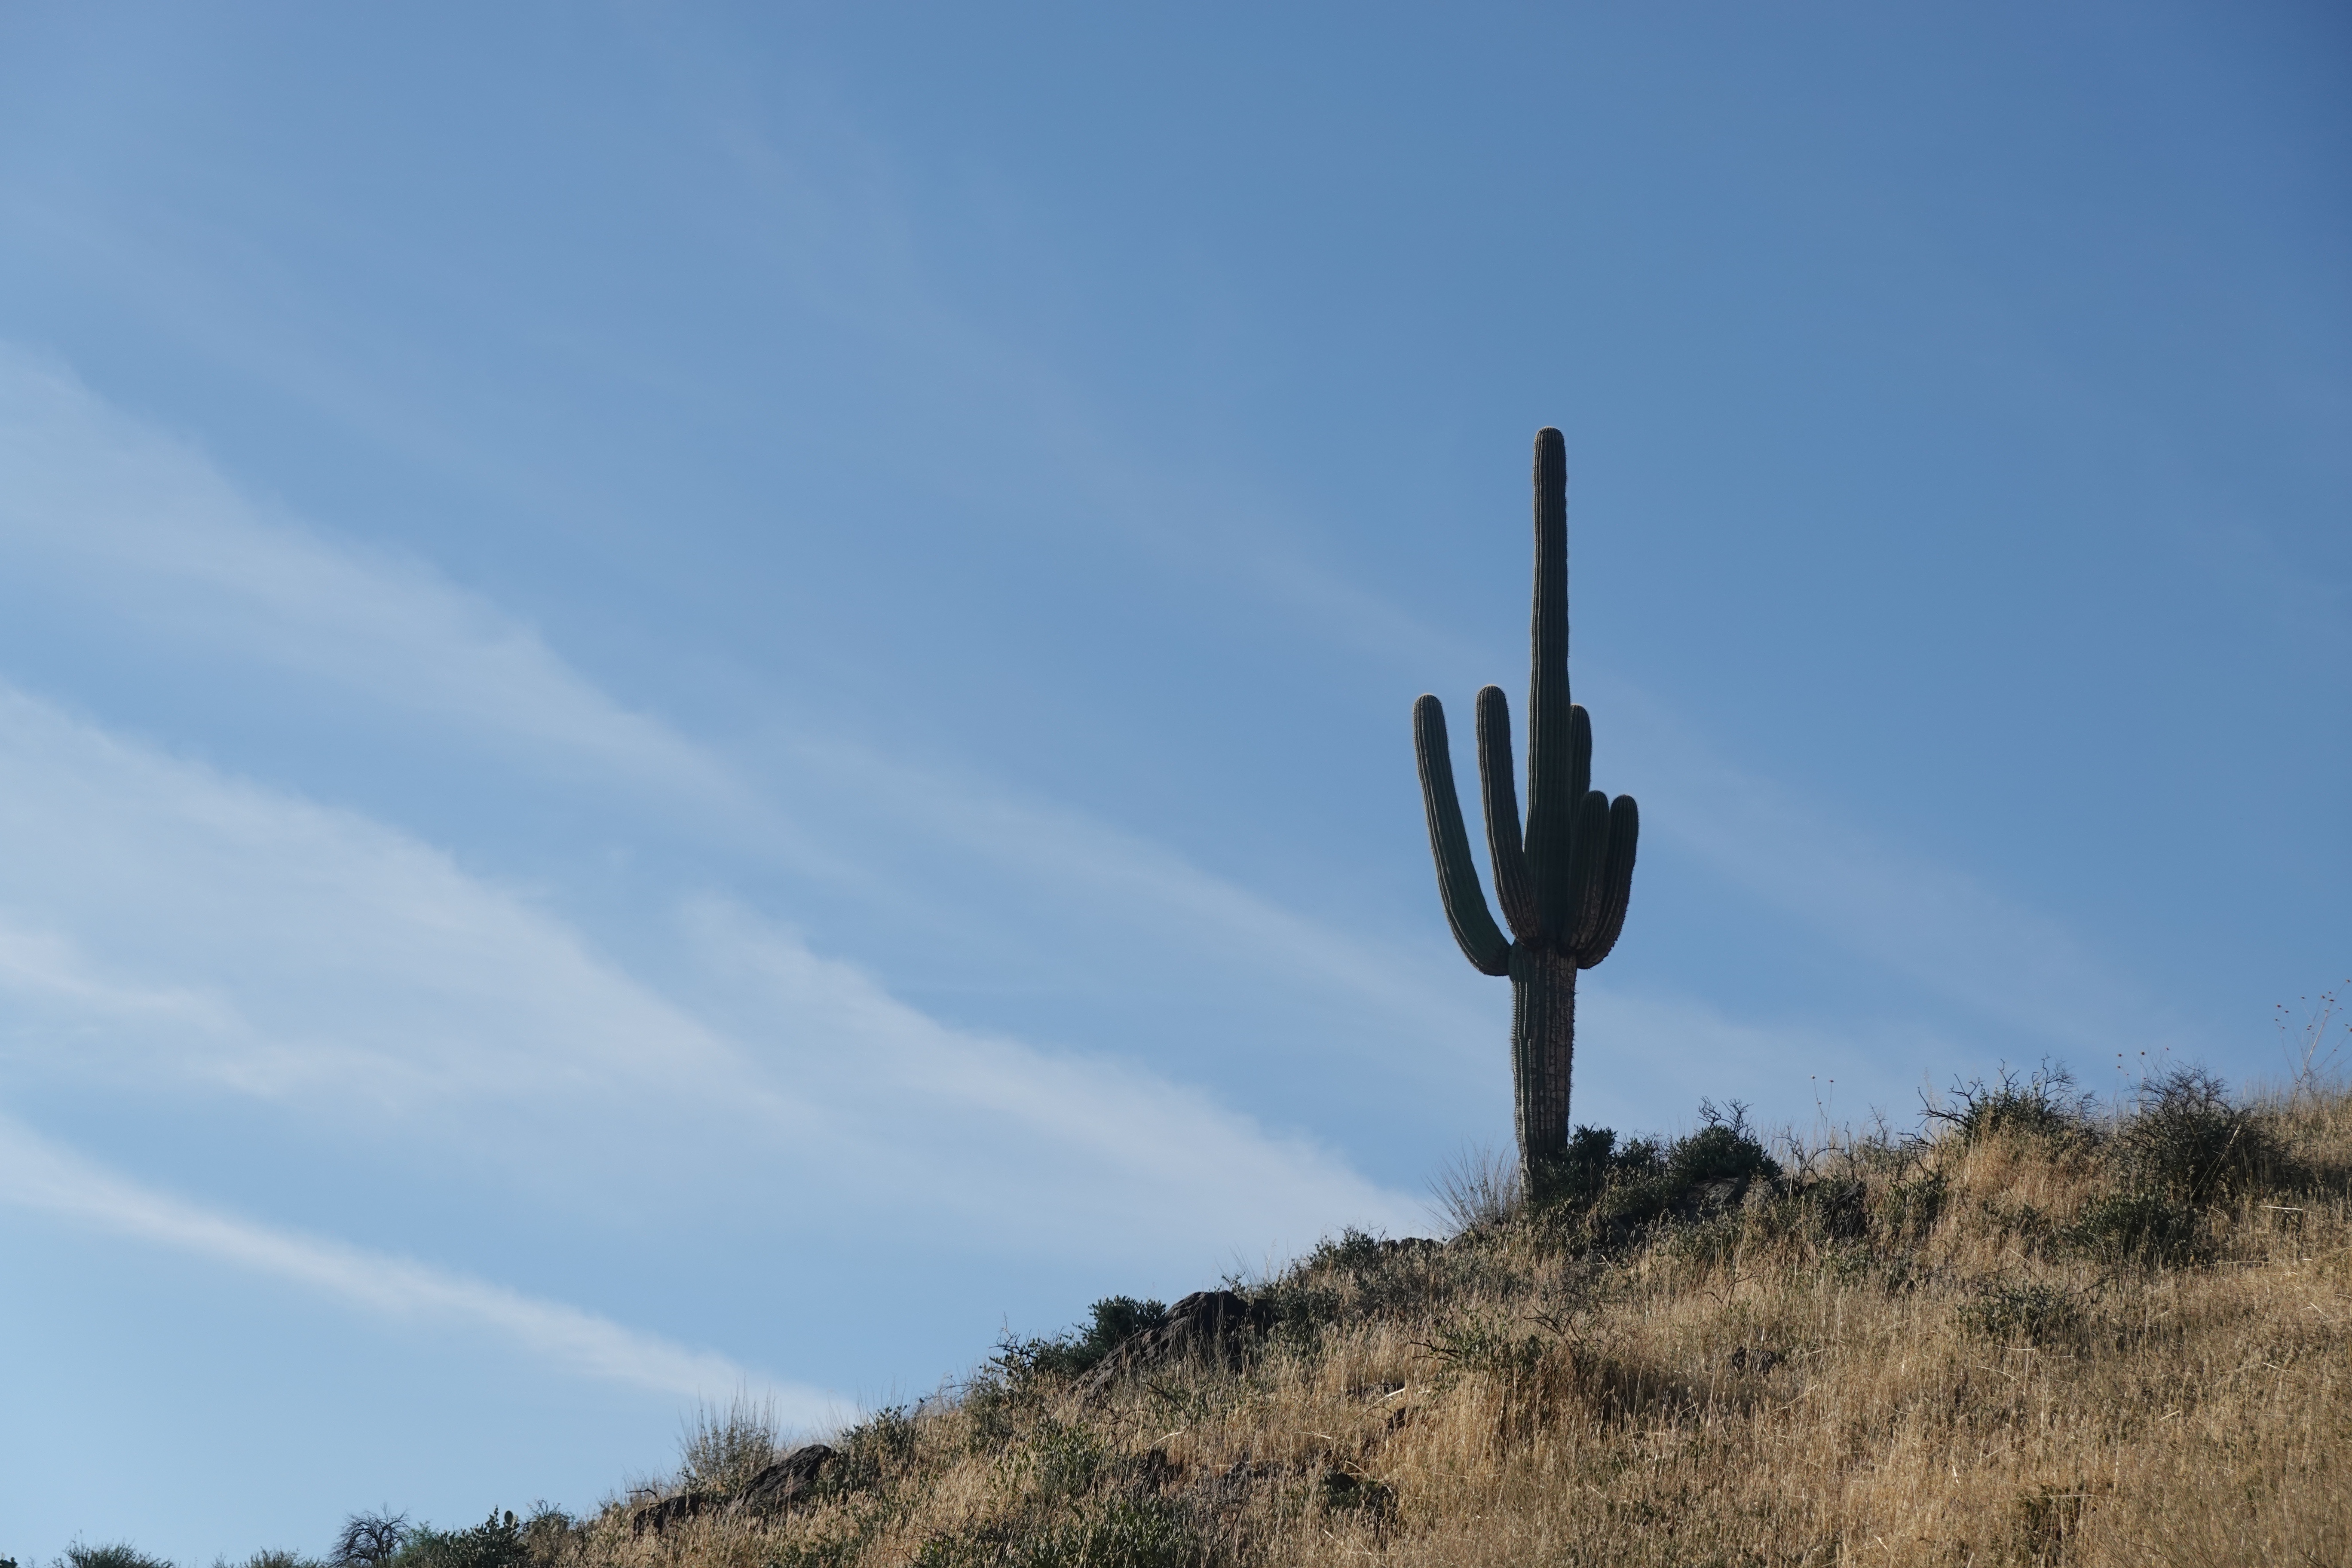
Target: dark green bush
{"points": [[1907, 1210], [2044, 1105], [2035, 1313], [1113, 1321], [1494, 1347], [2145, 1228], [495, 1542], [502, 1540], [2186, 1137], [1298, 1308], [1721, 1151], [120, 1555], [1643, 1181], [1359, 1275], [876, 1449]]}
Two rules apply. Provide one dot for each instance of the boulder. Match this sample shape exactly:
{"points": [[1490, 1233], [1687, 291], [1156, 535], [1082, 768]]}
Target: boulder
{"points": [[1207, 1325], [789, 1480], [788, 1483], [660, 1515]]}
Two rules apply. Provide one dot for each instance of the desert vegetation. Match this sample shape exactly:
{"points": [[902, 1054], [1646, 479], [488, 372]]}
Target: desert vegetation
{"points": [[2035, 1331]]}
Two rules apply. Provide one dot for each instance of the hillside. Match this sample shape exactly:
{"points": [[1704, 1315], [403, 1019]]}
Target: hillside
{"points": [[2032, 1332]]}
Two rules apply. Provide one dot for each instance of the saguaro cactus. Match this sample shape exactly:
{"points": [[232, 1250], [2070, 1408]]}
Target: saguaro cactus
{"points": [[1563, 889]]}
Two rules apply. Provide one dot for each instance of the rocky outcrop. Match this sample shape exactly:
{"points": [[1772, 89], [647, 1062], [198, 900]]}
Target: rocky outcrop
{"points": [[1208, 1326], [789, 1482], [660, 1514]]}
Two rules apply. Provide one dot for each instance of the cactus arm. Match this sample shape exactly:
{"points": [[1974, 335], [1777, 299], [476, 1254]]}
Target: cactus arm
{"points": [[1588, 858], [1552, 799], [1514, 887], [1617, 880], [1580, 741], [1483, 942]]}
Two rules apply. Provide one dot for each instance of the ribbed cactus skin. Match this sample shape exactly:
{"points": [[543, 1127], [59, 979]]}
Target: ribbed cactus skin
{"points": [[1563, 884]]}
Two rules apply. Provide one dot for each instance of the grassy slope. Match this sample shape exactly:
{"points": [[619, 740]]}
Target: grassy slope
{"points": [[2029, 1338]]}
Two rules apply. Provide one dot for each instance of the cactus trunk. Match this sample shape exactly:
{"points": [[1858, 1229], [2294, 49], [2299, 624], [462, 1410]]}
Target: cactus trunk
{"points": [[1543, 1052]]}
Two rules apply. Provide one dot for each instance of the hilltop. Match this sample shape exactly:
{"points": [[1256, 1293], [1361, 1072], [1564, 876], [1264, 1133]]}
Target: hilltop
{"points": [[2031, 1332]]}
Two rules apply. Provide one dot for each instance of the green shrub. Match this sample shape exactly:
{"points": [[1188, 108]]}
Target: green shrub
{"points": [[120, 1555], [1112, 1322], [2186, 1137], [499, 1542], [876, 1449], [2044, 1105], [2035, 1313], [1909, 1210], [1645, 1182], [1485, 1345], [1723, 1150], [2147, 1227]]}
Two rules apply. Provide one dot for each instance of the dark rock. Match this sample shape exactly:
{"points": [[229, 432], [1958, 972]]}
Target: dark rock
{"points": [[659, 1516], [1206, 1326], [791, 1481], [1211, 1322]]}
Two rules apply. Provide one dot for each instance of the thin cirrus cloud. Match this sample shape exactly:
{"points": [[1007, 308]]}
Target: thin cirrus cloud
{"points": [[182, 927], [1117, 877], [106, 508], [295, 953], [1030, 1143], [37, 1175], [146, 525], [219, 930], [181, 924]]}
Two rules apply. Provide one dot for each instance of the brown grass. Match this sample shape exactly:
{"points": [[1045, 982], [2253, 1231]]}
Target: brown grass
{"points": [[1906, 1352]]}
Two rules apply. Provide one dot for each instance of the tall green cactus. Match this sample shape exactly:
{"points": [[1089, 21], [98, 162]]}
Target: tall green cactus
{"points": [[1564, 891]]}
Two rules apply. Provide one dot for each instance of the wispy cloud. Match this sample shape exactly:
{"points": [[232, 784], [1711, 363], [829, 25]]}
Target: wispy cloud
{"points": [[1159, 900], [978, 1122], [103, 506], [295, 949], [192, 929], [120, 513], [36, 1173]]}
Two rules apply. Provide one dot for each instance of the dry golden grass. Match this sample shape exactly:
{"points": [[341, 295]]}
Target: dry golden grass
{"points": [[1907, 1353]]}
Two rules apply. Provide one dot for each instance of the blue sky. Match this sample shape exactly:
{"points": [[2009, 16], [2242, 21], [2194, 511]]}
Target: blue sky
{"points": [[698, 699]]}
